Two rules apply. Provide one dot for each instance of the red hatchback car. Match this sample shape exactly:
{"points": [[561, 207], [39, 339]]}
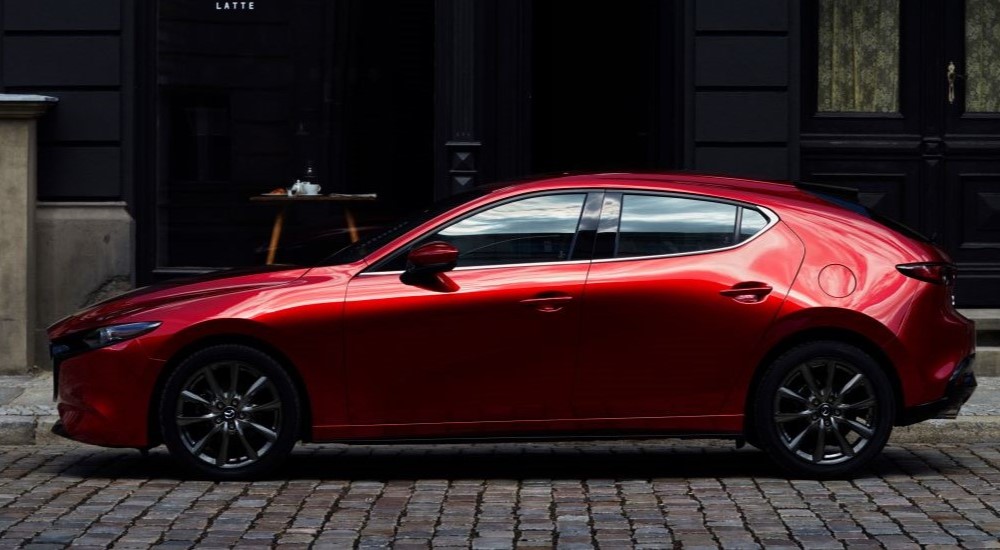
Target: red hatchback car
{"points": [[610, 305]]}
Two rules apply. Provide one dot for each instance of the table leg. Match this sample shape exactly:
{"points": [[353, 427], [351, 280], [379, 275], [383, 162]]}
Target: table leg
{"points": [[352, 228], [279, 221]]}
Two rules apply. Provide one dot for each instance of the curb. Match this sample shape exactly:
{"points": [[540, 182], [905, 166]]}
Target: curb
{"points": [[28, 418], [26, 429], [29, 430], [964, 429]]}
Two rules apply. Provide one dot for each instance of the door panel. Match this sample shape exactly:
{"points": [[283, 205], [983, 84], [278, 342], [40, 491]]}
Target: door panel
{"points": [[975, 189], [660, 338], [891, 188], [481, 347]]}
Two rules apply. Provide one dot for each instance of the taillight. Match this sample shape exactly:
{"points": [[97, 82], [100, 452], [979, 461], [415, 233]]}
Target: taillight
{"points": [[937, 273]]}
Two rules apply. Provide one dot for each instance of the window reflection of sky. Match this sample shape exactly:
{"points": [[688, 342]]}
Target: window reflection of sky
{"points": [[549, 214], [753, 221], [650, 214]]}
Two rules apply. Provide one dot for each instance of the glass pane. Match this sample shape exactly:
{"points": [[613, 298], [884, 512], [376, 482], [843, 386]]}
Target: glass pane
{"points": [[858, 56], [539, 229], [654, 225], [982, 50], [753, 221]]}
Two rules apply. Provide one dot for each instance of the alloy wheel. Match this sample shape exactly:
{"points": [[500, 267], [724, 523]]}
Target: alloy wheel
{"points": [[825, 411], [228, 414]]}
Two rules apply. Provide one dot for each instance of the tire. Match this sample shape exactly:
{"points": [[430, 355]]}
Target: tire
{"points": [[814, 428], [223, 434]]}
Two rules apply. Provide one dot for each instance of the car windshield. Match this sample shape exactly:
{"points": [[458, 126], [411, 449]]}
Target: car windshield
{"points": [[383, 235]]}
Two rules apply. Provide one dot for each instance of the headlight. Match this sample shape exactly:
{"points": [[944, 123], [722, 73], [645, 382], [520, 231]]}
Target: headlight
{"points": [[105, 336]]}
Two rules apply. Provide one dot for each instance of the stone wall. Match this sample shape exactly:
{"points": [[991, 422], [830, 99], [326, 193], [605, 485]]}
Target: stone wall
{"points": [[84, 252]]}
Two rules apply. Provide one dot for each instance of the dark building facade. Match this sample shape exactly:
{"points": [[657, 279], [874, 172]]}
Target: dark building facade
{"points": [[176, 112]]}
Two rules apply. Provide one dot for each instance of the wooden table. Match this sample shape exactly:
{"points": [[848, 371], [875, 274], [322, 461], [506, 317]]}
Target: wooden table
{"points": [[284, 201]]}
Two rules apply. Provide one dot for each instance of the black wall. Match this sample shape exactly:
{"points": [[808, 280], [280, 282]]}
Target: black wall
{"points": [[78, 52], [741, 97]]}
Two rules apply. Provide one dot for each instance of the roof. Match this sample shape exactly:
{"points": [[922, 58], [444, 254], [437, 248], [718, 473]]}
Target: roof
{"points": [[718, 186]]}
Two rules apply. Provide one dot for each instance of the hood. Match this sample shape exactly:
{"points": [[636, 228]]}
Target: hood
{"points": [[177, 290]]}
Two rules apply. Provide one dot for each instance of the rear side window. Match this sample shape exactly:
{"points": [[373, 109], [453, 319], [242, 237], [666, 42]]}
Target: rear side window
{"points": [[655, 225]]}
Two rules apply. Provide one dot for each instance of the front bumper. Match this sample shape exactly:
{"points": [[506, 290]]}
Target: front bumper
{"points": [[961, 385], [104, 395]]}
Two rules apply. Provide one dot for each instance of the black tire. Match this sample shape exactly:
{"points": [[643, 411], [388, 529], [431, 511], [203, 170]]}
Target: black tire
{"points": [[813, 428], [222, 433]]}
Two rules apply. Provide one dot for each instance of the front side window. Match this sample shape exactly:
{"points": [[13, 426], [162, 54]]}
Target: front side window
{"points": [[536, 229]]}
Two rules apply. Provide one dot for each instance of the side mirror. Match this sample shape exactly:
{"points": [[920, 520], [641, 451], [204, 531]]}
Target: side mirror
{"points": [[429, 259]]}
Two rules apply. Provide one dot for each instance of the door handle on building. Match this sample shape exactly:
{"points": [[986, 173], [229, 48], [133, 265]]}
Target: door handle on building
{"points": [[952, 76]]}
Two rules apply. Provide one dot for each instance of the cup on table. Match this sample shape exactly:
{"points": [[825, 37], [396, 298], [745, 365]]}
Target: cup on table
{"points": [[310, 188]]}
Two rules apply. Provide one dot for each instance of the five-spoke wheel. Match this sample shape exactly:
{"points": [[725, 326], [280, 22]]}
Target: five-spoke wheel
{"points": [[229, 411], [824, 409]]}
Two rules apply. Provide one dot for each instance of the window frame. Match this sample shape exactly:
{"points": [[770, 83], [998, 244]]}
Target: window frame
{"points": [[903, 122], [586, 222], [619, 195]]}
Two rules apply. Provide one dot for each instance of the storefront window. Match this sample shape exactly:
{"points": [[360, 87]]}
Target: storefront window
{"points": [[249, 100]]}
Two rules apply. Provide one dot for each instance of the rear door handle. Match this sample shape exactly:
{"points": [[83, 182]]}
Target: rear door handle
{"points": [[548, 304], [750, 292]]}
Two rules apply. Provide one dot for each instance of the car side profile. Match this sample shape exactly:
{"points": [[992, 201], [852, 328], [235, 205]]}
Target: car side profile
{"points": [[607, 305]]}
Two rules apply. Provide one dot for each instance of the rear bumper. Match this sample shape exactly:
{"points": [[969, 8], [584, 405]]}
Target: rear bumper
{"points": [[961, 385]]}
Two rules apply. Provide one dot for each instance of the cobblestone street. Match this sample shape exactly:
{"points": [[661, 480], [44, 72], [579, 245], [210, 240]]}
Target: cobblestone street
{"points": [[611, 495]]}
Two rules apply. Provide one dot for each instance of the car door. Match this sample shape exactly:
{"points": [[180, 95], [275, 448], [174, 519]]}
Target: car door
{"points": [[497, 340], [687, 288]]}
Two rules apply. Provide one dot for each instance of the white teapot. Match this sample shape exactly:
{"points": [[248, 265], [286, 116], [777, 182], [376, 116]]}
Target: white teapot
{"points": [[301, 187]]}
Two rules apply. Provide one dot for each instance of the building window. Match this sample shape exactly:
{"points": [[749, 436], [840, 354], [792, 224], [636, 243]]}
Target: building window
{"points": [[858, 56], [982, 50]]}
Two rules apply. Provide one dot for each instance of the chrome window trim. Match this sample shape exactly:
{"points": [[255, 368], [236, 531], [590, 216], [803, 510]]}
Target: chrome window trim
{"points": [[771, 216], [501, 202], [477, 267]]}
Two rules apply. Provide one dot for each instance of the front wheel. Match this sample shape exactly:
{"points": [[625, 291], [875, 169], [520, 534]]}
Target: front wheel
{"points": [[229, 412], [824, 409]]}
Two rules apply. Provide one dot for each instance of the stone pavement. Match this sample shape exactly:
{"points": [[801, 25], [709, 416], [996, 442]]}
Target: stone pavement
{"points": [[579, 495]]}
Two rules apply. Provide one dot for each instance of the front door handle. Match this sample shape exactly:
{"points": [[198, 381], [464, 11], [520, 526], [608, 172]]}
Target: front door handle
{"points": [[548, 304], [750, 292]]}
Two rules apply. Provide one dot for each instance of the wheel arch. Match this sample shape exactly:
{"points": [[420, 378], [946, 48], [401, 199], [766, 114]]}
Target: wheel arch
{"points": [[305, 428], [835, 334]]}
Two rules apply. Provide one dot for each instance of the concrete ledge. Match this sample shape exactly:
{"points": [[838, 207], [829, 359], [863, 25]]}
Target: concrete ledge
{"points": [[17, 430], [988, 361], [964, 429], [28, 417], [986, 319], [44, 435], [81, 248]]}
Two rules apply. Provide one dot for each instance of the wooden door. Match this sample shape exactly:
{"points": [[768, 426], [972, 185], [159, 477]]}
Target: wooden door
{"points": [[883, 112]]}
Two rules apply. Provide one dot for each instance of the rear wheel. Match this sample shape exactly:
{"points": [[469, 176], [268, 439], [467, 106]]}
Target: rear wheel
{"points": [[824, 409], [229, 412]]}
